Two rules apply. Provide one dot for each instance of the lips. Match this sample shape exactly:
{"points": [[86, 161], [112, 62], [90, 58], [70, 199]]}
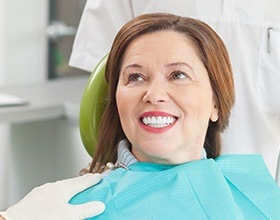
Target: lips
{"points": [[157, 119]]}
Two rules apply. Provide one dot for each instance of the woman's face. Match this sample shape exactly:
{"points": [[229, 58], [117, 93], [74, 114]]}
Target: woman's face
{"points": [[164, 98]]}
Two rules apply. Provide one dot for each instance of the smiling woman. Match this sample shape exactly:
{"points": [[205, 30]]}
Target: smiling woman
{"points": [[170, 97], [154, 55], [153, 87]]}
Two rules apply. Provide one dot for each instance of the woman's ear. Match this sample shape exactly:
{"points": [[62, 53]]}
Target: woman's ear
{"points": [[215, 114]]}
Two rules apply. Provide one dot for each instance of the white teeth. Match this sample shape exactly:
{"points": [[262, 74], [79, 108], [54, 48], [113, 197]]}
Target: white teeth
{"points": [[158, 121]]}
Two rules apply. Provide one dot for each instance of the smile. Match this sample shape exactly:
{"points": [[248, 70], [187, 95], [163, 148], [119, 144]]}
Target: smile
{"points": [[158, 121]]}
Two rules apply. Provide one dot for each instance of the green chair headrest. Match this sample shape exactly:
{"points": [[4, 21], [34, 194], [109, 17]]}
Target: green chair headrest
{"points": [[92, 106]]}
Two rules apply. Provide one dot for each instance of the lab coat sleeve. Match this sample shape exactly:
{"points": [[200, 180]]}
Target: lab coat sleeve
{"points": [[100, 21]]}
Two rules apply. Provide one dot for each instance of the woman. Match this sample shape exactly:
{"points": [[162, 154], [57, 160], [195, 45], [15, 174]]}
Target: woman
{"points": [[243, 27], [170, 96], [216, 62]]}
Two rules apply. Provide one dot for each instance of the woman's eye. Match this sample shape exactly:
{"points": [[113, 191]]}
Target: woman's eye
{"points": [[135, 77], [178, 75]]}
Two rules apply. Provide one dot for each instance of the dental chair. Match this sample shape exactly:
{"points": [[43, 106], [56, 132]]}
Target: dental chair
{"points": [[92, 106]]}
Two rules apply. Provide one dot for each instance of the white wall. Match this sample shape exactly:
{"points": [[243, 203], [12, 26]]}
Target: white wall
{"points": [[23, 60], [2, 39], [23, 56], [23, 41]]}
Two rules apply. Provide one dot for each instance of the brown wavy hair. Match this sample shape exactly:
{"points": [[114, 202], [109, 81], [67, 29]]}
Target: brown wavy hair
{"points": [[210, 50]]}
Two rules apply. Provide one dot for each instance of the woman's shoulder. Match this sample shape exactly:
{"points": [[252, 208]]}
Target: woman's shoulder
{"points": [[248, 178], [235, 185], [250, 165], [247, 171]]}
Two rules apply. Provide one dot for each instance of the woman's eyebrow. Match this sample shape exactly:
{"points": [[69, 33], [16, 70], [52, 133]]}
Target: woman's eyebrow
{"points": [[180, 64], [133, 66], [176, 64]]}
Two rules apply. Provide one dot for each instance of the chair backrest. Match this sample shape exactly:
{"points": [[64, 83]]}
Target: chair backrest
{"points": [[92, 106]]}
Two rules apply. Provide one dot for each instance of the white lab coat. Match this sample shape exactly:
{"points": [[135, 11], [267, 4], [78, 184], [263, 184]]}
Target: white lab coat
{"points": [[251, 31]]}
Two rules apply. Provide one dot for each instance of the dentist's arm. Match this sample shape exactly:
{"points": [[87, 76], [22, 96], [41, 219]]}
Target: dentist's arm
{"points": [[50, 201]]}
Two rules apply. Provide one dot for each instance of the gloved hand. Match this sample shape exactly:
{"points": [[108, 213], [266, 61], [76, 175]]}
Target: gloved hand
{"points": [[50, 201]]}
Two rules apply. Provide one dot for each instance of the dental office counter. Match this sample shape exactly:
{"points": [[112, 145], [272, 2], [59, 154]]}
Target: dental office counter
{"points": [[53, 99], [40, 141]]}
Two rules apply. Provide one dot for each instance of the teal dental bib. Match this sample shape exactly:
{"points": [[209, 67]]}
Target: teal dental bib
{"points": [[229, 187]]}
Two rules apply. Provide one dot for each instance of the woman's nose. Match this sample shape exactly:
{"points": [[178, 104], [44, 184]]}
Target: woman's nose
{"points": [[156, 93]]}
